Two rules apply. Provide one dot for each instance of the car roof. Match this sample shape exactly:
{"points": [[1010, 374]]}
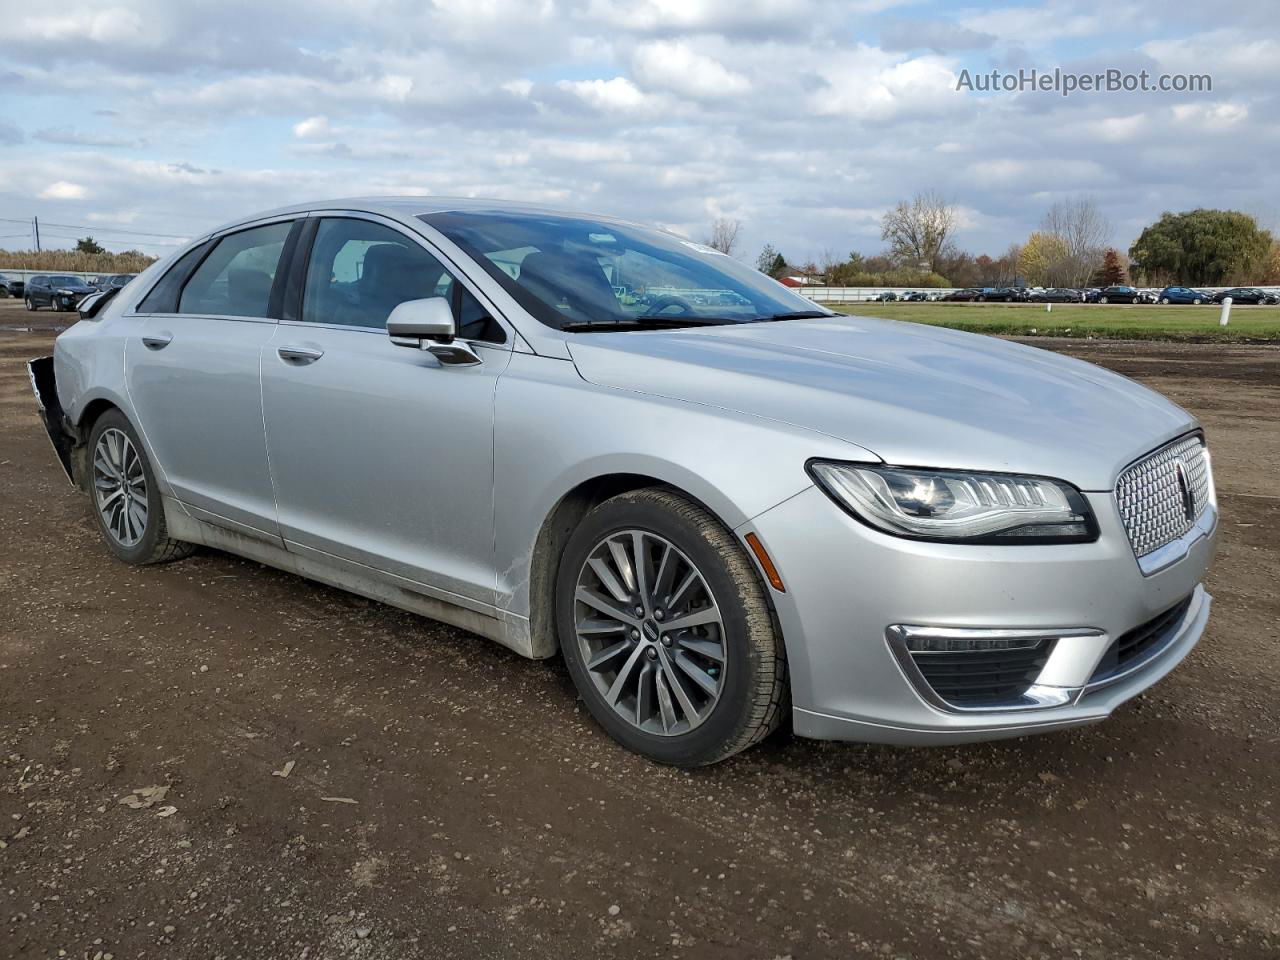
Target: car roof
{"points": [[407, 207]]}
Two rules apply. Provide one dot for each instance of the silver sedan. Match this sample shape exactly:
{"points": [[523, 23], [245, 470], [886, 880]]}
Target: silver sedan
{"points": [[723, 505]]}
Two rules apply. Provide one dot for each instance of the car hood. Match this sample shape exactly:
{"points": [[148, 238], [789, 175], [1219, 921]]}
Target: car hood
{"points": [[76, 287], [915, 395]]}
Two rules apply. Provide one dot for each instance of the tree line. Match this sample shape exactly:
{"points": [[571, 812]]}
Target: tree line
{"points": [[1069, 249]]}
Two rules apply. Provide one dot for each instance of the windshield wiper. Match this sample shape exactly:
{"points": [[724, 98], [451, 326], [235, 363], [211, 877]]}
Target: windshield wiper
{"points": [[653, 322], [797, 315]]}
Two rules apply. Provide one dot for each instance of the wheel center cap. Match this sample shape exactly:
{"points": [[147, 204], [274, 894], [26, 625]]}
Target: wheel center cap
{"points": [[651, 631]]}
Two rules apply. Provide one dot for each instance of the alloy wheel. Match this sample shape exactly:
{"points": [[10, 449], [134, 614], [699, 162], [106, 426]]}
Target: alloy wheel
{"points": [[120, 487], [650, 633]]}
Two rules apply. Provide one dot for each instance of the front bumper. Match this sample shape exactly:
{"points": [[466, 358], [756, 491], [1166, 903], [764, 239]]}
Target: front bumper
{"points": [[847, 585]]}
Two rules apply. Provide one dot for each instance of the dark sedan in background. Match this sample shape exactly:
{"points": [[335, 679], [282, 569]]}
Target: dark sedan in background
{"points": [[1054, 295], [11, 286], [57, 290], [966, 295], [1250, 295], [1184, 295], [113, 281], [1119, 294], [1000, 295]]}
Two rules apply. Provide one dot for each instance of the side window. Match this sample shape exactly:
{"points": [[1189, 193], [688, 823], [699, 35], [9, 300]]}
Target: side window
{"points": [[235, 279], [360, 271], [163, 297]]}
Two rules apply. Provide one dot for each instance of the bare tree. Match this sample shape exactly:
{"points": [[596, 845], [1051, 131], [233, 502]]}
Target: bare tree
{"points": [[1081, 232], [917, 230], [724, 235]]}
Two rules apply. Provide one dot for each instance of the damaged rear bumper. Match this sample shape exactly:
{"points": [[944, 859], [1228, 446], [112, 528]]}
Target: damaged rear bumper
{"points": [[45, 385]]}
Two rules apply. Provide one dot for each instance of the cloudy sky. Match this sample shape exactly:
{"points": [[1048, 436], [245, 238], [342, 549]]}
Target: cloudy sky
{"points": [[804, 119]]}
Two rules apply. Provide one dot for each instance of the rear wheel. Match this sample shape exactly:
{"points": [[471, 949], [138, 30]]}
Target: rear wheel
{"points": [[126, 500], [667, 632]]}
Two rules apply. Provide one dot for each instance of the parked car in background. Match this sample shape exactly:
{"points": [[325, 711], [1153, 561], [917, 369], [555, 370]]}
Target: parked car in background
{"points": [[1054, 295], [915, 296], [114, 280], [11, 286], [1247, 295], [1118, 294], [707, 511], [1000, 295], [1184, 295], [59, 291], [886, 297], [967, 295]]}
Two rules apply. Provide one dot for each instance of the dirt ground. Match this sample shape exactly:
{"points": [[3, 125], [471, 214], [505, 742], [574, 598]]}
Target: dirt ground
{"points": [[448, 799]]}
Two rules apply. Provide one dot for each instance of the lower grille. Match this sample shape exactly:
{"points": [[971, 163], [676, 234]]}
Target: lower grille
{"points": [[1131, 648], [983, 677]]}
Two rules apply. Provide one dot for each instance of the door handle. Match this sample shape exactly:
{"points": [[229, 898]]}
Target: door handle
{"points": [[157, 341], [300, 355]]}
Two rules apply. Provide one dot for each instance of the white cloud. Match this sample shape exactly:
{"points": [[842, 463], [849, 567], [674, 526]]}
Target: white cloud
{"points": [[63, 190], [618, 94], [676, 66], [317, 126]]}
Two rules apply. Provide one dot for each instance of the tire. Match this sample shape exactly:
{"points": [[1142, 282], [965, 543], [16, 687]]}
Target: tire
{"points": [[29, 303], [1103, 300], [152, 544], [749, 675], [1197, 301], [1165, 301]]}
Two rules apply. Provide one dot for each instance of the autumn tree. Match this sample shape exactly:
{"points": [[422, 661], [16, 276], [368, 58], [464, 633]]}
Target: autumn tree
{"points": [[724, 235], [917, 230], [1080, 232], [1112, 269], [1042, 261]]}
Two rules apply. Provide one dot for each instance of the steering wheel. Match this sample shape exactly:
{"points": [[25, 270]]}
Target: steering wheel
{"points": [[669, 301]]}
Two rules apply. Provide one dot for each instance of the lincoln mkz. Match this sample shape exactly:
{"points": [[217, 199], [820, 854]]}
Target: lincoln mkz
{"points": [[725, 506]]}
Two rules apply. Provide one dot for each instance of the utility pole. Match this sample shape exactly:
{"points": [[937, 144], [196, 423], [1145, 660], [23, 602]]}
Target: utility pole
{"points": [[35, 225]]}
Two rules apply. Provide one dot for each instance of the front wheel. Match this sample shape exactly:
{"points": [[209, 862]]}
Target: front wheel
{"points": [[666, 630], [1165, 301], [28, 303], [1103, 300], [126, 500]]}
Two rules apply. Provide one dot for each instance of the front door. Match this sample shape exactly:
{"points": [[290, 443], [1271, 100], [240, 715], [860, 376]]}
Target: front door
{"points": [[194, 379], [382, 456]]}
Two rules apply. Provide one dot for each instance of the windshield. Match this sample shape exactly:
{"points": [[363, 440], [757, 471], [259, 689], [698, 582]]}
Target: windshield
{"points": [[569, 271], [64, 281]]}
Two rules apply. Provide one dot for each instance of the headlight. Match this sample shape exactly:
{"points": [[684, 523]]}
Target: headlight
{"points": [[946, 505]]}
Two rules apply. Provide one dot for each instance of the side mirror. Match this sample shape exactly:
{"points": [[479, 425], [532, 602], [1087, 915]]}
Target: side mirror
{"points": [[428, 324], [92, 305]]}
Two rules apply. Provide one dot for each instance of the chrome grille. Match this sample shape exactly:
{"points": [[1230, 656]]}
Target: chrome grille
{"points": [[1151, 499]]}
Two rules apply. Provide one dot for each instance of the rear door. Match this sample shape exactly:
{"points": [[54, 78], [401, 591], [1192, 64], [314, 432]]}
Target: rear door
{"points": [[381, 455], [194, 376]]}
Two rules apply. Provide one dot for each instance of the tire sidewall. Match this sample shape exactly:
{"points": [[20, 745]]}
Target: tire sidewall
{"points": [[141, 551], [709, 740]]}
